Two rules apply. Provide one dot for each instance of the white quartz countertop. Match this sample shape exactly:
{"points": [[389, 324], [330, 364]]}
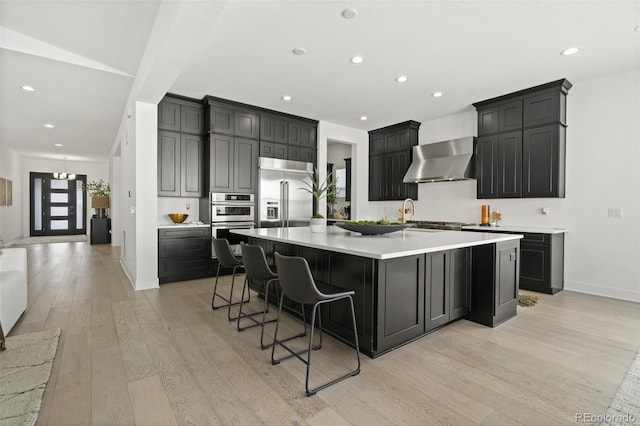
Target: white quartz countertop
{"points": [[388, 246], [184, 225], [528, 229]]}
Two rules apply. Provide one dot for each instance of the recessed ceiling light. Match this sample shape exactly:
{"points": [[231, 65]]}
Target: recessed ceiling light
{"points": [[357, 60], [436, 94], [58, 144], [402, 79], [27, 88], [286, 98], [570, 51], [49, 126], [299, 51], [349, 13], [363, 118]]}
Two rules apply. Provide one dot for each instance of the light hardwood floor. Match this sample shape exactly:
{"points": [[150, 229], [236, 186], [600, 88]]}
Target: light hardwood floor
{"points": [[164, 357]]}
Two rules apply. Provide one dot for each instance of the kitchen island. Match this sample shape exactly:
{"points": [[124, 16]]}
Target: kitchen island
{"points": [[407, 283]]}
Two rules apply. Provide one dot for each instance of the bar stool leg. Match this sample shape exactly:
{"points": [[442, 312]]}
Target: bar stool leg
{"points": [[215, 291]]}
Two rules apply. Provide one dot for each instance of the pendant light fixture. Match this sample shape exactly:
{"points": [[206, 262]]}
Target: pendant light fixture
{"points": [[64, 175]]}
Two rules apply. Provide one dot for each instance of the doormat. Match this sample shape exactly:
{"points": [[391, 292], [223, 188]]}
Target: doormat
{"points": [[25, 368], [49, 239], [624, 408], [527, 300]]}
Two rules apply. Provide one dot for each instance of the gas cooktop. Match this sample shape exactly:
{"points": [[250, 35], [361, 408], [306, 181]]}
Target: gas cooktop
{"points": [[437, 224]]}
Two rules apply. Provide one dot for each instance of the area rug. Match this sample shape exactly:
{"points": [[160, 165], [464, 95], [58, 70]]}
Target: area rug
{"points": [[624, 408], [50, 239], [527, 300], [25, 368]]}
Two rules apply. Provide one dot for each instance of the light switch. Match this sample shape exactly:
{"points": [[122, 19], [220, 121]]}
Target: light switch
{"points": [[615, 213]]}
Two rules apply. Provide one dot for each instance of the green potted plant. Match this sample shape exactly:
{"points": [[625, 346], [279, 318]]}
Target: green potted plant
{"points": [[99, 192], [318, 190]]}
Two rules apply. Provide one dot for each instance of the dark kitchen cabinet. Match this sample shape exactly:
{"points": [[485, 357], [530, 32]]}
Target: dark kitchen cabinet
{"points": [[180, 165], [267, 149], [184, 253], [543, 161], [530, 126], [447, 287], [233, 164], [180, 148], [273, 129], [541, 260], [169, 115], [495, 276], [221, 119], [168, 164], [390, 154], [180, 115], [510, 165], [401, 285], [247, 124]]}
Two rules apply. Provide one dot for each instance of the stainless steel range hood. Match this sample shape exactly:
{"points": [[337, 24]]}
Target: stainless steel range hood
{"points": [[442, 161]]}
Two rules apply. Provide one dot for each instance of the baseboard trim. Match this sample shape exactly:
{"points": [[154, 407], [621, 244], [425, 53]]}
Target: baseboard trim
{"points": [[598, 290]]}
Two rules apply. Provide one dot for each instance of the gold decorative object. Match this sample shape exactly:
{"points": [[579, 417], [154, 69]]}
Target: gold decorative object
{"points": [[178, 217]]}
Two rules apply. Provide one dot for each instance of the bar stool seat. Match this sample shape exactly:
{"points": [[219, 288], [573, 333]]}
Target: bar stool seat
{"points": [[226, 259], [257, 270], [298, 284]]}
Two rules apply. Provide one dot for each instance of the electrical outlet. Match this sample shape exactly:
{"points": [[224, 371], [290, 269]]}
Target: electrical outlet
{"points": [[615, 213]]}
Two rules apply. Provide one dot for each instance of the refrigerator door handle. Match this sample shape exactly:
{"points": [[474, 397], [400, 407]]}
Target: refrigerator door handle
{"points": [[283, 211], [286, 203]]}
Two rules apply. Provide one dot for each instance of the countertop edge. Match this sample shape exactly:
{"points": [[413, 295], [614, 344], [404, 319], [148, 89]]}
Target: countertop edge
{"points": [[528, 229]]}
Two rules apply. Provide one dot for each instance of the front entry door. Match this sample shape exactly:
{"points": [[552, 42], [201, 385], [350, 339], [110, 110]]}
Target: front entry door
{"points": [[58, 206]]}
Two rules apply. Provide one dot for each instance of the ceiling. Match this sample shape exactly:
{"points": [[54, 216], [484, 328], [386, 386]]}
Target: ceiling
{"points": [[82, 57]]}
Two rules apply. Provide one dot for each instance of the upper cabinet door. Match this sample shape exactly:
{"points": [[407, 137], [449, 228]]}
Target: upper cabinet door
{"points": [[488, 121], [487, 166], [543, 161], [307, 135], [191, 166], [376, 144], [221, 163], [510, 117], [267, 128], [192, 120], [391, 141], [245, 166], [169, 116], [295, 133], [542, 109], [168, 164], [221, 119], [247, 124], [280, 130], [510, 165]]}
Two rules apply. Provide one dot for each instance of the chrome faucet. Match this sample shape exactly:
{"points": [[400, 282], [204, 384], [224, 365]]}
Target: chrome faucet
{"points": [[404, 210]]}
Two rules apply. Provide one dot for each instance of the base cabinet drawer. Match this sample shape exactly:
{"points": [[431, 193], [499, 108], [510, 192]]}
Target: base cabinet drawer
{"points": [[184, 254], [183, 268]]}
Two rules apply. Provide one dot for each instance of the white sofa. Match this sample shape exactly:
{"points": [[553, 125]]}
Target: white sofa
{"points": [[13, 286]]}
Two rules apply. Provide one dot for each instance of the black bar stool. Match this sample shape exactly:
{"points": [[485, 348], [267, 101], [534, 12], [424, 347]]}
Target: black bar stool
{"points": [[257, 269], [228, 260], [298, 284]]}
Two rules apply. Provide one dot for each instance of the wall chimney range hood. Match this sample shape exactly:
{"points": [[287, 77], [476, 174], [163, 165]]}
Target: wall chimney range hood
{"points": [[442, 162]]}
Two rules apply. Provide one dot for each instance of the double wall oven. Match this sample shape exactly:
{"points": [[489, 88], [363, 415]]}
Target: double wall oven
{"points": [[228, 212]]}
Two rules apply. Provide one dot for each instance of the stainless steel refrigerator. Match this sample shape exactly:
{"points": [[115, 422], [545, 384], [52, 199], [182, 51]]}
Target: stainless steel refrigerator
{"points": [[282, 201]]}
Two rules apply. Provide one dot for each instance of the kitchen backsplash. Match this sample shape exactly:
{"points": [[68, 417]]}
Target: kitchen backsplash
{"points": [[168, 205]]}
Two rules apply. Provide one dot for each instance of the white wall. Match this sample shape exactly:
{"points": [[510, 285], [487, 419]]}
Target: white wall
{"points": [[11, 218], [168, 205], [94, 171], [359, 161], [603, 171]]}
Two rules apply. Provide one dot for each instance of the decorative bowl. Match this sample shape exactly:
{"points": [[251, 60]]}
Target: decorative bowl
{"points": [[374, 229], [178, 217]]}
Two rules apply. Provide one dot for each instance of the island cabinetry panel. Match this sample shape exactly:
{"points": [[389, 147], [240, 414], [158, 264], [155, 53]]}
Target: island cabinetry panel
{"points": [[495, 276], [184, 253], [531, 130], [448, 286], [390, 153], [542, 265], [401, 286]]}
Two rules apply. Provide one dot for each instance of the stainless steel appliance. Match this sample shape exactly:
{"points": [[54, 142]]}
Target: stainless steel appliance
{"points": [[230, 211], [282, 201], [442, 161]]}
